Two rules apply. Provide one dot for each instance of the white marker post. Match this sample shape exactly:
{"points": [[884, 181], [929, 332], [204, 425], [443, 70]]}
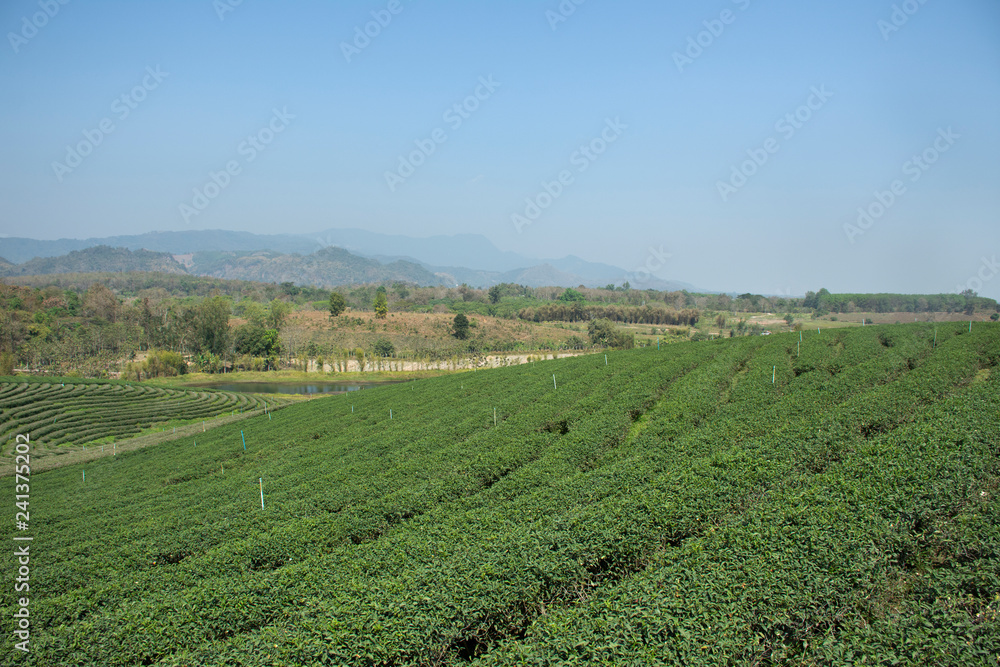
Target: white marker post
{"points": [[605, 360], [494, 416], [774, 373], [390, 413], [261, 480], [554, 382]]}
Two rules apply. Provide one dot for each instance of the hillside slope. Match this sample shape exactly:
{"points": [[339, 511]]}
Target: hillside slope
{"points": [[327, 267], [654, 507], [97, 259]]}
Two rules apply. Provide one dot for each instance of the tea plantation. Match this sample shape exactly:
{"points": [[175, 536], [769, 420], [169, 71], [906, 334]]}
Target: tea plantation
{"points": [[737, 502], [64, 414]]}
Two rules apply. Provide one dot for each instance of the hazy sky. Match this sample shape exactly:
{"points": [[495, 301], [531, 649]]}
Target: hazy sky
{"points": [[739, 137]]}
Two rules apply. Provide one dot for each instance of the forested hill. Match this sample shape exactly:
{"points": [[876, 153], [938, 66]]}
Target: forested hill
{"points": [[95, 260], [327, 267]]}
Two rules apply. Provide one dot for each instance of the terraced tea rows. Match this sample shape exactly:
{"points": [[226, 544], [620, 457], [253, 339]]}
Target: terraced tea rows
{"points": [[75, 413], [723, 503]]}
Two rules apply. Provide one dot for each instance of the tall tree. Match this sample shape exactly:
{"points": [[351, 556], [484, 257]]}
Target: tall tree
{"points": [[277, 313], [381, 304], [461, 326], [337, 304], [101, 303], [212, 325]]}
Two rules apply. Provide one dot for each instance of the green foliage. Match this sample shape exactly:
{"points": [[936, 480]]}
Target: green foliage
{"points": [[495, 294], [6, 363], [663, 507], [61, 413], [277, 313], [381, 303], [212, 322], [603, 332], [967, 302], [157, 364], [460, 326], [578, 312], [254, 313], [337, 304], [257, 341], [572, 296], [384, 348]]}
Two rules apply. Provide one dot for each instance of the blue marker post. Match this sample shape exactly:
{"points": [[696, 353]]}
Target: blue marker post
{"points": [[244, 441]]}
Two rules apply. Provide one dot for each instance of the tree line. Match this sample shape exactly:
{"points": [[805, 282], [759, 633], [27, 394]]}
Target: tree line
{"points": [[579, 312]]}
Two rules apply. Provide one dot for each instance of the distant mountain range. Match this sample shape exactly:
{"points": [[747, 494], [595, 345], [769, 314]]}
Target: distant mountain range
{"points": [[334, 257]]}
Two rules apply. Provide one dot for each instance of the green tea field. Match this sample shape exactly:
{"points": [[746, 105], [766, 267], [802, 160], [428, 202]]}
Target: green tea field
{"points": [[747, 501], [63, 416]]}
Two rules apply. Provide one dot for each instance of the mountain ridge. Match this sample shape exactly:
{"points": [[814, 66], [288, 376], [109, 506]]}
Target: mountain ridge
{"points": [[435, 254]]}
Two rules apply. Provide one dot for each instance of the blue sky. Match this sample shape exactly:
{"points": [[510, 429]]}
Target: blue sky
{"points": [[873, 84]]}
